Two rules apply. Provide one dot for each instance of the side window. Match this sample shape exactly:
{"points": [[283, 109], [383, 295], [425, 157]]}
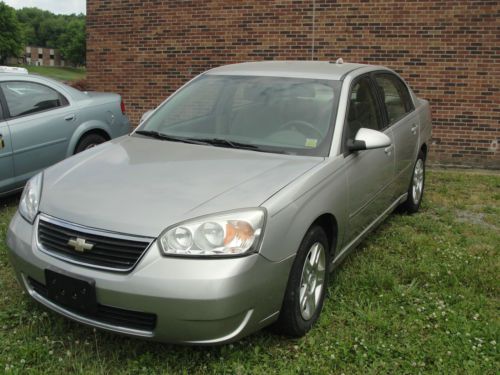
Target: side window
{"points": [[24, 98], [395, 95], [363, 108]]}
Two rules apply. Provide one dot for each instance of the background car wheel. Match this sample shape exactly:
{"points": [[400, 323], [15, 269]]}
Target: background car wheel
{"points": [[89, 141], [307, 283], [416, 189]]}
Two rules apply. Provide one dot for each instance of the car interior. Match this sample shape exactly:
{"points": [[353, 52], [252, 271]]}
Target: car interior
{"points": [[291, 114], [363, 111]]}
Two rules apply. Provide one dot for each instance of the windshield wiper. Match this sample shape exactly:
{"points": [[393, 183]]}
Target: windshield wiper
{"points": [[218, 142], [166, 137], [227, 143]]}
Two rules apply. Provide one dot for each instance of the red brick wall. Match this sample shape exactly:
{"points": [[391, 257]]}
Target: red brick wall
{"points": [[447, 50]]}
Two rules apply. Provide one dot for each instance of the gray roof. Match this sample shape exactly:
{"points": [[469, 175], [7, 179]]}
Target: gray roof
{"points": [[297, 69]]}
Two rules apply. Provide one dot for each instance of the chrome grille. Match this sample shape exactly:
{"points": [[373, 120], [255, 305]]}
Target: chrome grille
{"points": [[104, 250]]}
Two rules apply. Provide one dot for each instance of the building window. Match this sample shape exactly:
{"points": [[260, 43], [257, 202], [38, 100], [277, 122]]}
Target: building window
{"points": [[40, 55]]}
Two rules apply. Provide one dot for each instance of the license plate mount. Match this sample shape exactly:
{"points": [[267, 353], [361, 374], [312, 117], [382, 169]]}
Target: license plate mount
{"points": [[73, 292]]}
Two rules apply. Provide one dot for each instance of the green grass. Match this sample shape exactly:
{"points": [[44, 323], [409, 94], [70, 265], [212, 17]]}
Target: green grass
{"points": [[61, 74], [421, 295]]}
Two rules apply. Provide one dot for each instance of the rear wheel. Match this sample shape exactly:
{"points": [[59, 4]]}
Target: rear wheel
{"points": [[306, 286], [417, 183], [89, 141]]}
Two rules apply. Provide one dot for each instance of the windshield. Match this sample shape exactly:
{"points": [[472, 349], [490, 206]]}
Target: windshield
{"points": [[270, 114]]}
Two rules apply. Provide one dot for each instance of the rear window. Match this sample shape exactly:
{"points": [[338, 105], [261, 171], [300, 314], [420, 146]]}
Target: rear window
{"points": [[396, 97]]}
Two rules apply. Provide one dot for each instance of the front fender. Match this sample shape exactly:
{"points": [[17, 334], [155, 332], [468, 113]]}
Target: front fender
{"points": [[84, 128], [292, 211]]}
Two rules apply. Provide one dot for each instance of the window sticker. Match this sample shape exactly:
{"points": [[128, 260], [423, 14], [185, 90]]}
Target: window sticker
{"points": [[311, 142]]}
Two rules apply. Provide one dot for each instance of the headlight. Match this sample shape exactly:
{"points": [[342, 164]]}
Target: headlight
{"points": [[226, 234], [30, 200]]}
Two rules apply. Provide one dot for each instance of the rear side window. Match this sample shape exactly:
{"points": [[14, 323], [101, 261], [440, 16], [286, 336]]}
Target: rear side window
{"points": [[24, 98], [395, 95], [363, 108]]}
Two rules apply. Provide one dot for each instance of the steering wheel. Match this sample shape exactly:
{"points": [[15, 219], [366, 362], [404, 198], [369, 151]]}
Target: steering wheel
{"points": [[303, 127]]}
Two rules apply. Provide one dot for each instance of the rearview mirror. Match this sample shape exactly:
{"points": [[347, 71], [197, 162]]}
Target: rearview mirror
{"points": [[368, 139], [146, 115]]}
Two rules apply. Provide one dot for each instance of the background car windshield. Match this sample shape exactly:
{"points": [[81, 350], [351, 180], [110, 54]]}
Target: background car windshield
{"points": [[286, 115]]}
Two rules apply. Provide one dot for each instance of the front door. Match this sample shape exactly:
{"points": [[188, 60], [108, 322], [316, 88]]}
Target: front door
{"points": [[404, 123], [6, 164], [370, 172]]}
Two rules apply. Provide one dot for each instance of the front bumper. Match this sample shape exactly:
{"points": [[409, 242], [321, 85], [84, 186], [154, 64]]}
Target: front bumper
{"points": [[198, 301]]}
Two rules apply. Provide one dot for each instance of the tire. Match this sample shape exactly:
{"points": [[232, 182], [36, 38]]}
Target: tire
{"points": [[416, 188], [298, 312], [89, 141]]}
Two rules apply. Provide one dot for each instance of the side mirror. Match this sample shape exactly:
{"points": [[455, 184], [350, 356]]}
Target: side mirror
{"points": [[145, 116], [368, 139]]}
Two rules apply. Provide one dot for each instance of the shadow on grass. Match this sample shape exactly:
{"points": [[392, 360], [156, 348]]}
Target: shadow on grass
{"points": [[10, 200]]}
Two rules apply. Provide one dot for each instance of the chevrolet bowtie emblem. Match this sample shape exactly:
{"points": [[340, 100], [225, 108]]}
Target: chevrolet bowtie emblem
{"points": [[80, 245]]}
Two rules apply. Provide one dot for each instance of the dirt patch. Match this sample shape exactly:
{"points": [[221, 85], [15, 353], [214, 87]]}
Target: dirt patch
{"points": [[476, 218]]}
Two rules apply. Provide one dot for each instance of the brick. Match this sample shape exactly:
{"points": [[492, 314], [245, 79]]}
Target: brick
{"points": [[446, 50]]}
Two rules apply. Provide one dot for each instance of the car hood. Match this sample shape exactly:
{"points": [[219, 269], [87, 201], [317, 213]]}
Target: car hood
{"points": [[141, 185]]}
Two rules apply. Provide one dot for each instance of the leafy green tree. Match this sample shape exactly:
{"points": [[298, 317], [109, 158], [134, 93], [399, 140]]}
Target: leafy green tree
{"points": [[72, 42], [64, 32], [11, 33], [50, 30], [31, 19]]}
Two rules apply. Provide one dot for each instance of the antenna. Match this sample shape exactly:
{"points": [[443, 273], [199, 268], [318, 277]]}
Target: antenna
{"points": [[340, 60]]}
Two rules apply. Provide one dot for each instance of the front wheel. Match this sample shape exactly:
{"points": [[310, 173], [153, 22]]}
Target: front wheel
{"points": [[417, 183], [306, 288]]}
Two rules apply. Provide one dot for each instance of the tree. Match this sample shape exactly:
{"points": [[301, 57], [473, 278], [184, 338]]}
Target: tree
{"points": [[11, 33], [32, 20], [64, 32], [72, 42], [50, 30]]}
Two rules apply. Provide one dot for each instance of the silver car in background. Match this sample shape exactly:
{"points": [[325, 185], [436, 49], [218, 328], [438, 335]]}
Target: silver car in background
{"points": [[227, 208], [43, 121]]}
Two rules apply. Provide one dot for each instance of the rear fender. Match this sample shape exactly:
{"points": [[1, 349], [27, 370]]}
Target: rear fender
{"points": [[84, 128]]}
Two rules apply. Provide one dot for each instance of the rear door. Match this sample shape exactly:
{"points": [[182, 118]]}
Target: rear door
{"points": [[401, 118], [370, 172], [6, 163], [41, 122]]}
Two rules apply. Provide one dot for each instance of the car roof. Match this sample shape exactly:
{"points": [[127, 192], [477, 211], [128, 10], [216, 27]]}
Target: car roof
{"points": [[297, 69], [4, 76]]}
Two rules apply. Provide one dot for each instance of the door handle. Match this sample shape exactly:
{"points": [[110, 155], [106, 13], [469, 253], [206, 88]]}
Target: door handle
{"points": [[2, 142], [388, 150], [70, 117], [414, 128]]}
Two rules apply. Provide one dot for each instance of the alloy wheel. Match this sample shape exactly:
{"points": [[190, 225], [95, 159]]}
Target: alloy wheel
{"points": [[312, 281], [418, 181]]}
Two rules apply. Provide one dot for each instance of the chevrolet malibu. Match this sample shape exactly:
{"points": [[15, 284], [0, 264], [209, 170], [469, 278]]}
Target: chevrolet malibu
{"points": [[227, 208]]}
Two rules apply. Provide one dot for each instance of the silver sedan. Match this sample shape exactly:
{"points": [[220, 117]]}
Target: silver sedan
{"points": [[226, 210], [43, 121]]}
